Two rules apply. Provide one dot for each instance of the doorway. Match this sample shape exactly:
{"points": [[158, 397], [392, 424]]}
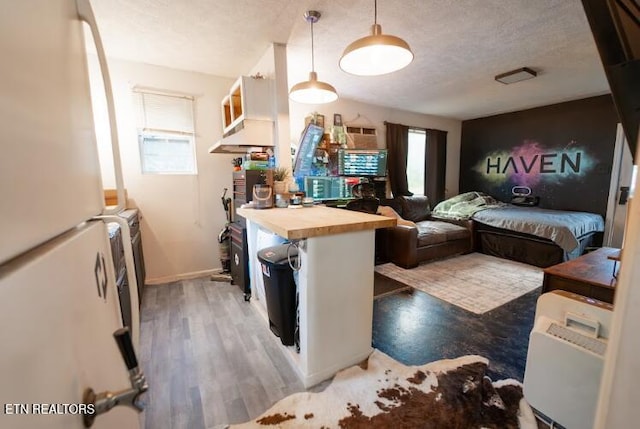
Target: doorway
{"points": [[621, 174]]}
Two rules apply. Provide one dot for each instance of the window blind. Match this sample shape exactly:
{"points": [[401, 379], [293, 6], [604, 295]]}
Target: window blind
{"points": [[165, 113]]}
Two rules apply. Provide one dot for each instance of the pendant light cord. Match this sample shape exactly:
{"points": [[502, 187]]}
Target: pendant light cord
{"points": [[313, 65], [375, 12]]}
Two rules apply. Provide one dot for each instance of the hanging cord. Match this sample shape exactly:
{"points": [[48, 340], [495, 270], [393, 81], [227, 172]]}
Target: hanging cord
{"points": [[375, 12], [296, 269], [297, 266], [313, 66]]}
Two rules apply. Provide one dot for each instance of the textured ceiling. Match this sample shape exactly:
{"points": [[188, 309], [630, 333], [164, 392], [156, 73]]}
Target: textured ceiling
{"points": [[459, 46]]}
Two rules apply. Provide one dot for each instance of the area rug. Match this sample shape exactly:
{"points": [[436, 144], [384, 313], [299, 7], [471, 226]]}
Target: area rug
{"points": [[384, 286], [475, 282], [383, 393]]}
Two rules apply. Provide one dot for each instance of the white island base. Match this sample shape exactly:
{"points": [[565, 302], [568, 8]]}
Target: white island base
{"points": [[335, 287]]}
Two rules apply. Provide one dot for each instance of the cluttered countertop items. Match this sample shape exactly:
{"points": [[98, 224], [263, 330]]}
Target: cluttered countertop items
{"points": [[294, 201]]}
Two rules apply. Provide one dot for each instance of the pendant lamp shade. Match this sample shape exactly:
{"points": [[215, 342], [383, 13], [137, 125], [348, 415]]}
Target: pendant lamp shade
{"points": [[376, 54], [313, 91]]}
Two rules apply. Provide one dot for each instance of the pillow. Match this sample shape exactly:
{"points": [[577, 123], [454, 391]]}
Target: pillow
{"points": [[389, 212], [463, 206], [415, 208]]}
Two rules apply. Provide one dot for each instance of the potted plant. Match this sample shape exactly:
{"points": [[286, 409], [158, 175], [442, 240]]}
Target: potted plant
{"points": [[280, 177]]}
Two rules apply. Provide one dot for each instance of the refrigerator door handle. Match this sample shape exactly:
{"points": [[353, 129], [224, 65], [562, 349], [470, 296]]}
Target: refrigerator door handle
{"points": [[85, 13], [131, 273]]}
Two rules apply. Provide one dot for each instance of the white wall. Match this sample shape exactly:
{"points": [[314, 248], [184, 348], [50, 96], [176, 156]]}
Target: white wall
{"points": [[618, 403], [273, 65], [370, 115], [182, 215]]}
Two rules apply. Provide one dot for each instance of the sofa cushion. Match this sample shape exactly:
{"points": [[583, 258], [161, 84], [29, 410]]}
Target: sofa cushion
{"points": [[415, 208], [435, 232]]}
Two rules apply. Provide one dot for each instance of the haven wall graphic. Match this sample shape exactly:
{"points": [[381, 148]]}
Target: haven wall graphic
{"points": [[563, 153], [531, 163]]}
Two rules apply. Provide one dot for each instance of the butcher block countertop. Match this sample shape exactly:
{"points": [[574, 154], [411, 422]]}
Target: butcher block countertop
{"points": [[305, 222]]}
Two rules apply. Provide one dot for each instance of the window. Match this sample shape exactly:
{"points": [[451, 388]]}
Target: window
{"points": [[166, 153], [166, 133], [416, 152]]}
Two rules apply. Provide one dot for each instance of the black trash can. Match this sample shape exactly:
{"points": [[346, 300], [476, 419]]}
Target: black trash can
{"points": [[280, 289]]}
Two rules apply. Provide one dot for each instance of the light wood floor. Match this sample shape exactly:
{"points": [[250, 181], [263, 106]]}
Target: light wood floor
{"points": [[208, 356]]}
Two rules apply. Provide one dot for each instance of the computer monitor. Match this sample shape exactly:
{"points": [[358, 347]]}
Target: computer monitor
{"points": [[326, 188], [309, 140], [362, 162]]}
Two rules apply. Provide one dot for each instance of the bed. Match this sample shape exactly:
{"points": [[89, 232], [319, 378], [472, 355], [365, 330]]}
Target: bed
{"points": [[536, 236]]}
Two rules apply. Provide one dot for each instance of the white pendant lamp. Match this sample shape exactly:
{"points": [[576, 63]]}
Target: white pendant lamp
{"points": [[377, 53], [313, 91]]}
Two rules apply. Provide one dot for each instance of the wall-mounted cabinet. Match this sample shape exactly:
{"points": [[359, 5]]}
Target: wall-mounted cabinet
{"points": [[247, 116], [249, 98]]}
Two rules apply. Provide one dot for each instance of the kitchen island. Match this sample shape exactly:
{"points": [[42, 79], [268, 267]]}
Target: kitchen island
{"points": [[335, 282]]}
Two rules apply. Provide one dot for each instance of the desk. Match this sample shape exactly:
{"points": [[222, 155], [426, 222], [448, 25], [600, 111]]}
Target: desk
{"points": [[590, 275], [335, 282]]}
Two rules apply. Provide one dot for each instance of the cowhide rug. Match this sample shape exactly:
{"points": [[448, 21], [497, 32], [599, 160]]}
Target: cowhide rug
{"points": [[383, 393]]}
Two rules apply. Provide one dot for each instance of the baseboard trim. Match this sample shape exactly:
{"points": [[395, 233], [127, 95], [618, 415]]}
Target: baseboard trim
{"points": [[185, 276]]}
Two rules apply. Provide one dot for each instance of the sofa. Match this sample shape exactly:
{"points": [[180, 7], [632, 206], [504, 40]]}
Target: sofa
{"points": [[419, 236]]}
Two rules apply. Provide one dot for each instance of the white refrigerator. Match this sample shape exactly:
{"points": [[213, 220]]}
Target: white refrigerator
{"points": [[58, 300]]}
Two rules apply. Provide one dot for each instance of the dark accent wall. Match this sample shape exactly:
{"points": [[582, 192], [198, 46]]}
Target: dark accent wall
{"points": [[562, 152]]}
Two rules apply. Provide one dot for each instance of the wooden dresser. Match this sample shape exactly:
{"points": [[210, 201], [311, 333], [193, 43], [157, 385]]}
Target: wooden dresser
{"points": [[591, 275]]}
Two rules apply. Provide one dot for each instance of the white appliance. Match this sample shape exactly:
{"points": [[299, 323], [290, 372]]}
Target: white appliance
{"points": [[565, 358], [58, 302]]}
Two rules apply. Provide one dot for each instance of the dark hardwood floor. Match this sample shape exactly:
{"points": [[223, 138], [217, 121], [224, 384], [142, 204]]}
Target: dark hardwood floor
{"points": [[415, 328]]}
